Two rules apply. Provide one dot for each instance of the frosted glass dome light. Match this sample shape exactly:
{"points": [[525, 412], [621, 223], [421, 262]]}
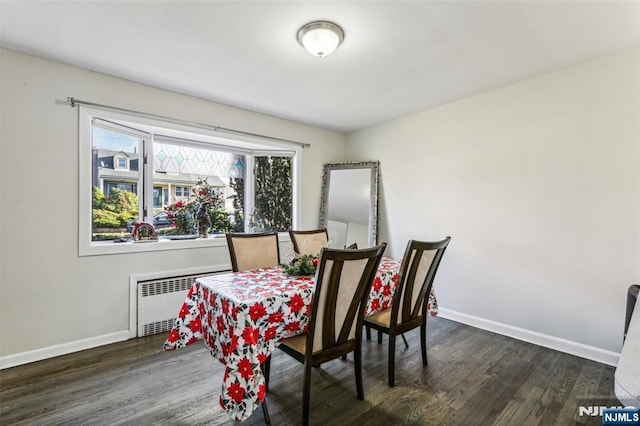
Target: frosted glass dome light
{"points": [[320, 38]]}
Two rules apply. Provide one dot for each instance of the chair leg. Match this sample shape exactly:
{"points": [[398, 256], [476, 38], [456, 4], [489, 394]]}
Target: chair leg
{"points": [[423, 342], [265, 412], [392, 359], [266, 367], [306, 390], [379, 336], [357, 365], [368, 332], [406, 344]]}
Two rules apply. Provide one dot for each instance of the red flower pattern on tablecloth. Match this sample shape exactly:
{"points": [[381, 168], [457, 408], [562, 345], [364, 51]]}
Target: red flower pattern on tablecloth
{"points": [[250, 335], [296, 303], [184, 311], [377, 284], [270, 333], [173, 336], [293, 327], [195, 325], [220, 323], [276, 317], [245, 368], [257, 311], [374, 305], [243, 316], [236, 392]]}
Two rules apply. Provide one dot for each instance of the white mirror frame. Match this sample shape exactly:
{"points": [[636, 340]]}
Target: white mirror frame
{"points": [[373, 194]]}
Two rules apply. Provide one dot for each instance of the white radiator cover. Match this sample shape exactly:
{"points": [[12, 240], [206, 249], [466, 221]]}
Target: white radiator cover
{"points": [[156, 299]]}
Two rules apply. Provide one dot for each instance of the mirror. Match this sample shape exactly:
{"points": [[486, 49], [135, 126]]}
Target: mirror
{"points": [[349, 204]]}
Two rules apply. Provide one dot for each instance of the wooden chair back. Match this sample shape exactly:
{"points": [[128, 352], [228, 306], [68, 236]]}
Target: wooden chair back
{"points": [[253, 251], [309, 242], [343, 283], [415, 279]]}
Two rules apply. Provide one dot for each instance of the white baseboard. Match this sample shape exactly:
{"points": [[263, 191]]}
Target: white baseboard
{"points": [[556, 343], [562, 345], [62, 349], [118, 336]]}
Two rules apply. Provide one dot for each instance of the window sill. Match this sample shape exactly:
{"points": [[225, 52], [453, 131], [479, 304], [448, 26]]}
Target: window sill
{"points": [[116, 247]]}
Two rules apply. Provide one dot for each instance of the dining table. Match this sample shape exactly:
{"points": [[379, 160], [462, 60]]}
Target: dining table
{"points": [[242, 317]]}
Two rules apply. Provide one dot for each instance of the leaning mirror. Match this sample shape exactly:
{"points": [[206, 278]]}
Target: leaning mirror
{"points": [[349, 204]]}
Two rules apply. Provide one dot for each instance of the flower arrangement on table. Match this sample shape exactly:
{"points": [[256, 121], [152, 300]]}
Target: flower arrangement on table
{"points": [[302, 265]]}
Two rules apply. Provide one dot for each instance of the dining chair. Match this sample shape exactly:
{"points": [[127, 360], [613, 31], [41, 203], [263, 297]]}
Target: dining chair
{"points": [[409, 307], [309, 242], [253, 251], [342, 286]]}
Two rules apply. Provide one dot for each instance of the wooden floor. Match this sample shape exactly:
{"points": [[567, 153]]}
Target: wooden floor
{"points": [[474, 378]]}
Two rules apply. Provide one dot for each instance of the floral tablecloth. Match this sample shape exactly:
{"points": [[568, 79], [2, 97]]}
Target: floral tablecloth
{"points": [[384, 287], [243, 316]]}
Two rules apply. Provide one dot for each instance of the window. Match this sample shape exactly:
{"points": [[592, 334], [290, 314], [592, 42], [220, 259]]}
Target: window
{"points": [[131, 187], [273, 193], [170, 170], [122, 163], [215, 175], [157, 197], [182, 191]]}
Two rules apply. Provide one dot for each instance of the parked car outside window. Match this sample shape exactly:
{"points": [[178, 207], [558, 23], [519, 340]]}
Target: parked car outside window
{"points": [[160, 220]]}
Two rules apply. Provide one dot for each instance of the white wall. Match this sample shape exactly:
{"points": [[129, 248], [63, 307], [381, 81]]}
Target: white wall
{"points": [[50, 297], [538, 185]]}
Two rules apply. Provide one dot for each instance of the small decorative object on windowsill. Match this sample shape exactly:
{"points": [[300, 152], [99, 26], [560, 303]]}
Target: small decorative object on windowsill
{"points": [[303, 265], [144, 232], [202, 219]]}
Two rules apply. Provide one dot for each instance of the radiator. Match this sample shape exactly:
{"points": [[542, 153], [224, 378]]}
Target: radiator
{"points": [[159, 301]]}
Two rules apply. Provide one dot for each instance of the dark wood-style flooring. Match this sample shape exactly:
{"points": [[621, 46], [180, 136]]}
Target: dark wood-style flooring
{"points": [[474, 377]]}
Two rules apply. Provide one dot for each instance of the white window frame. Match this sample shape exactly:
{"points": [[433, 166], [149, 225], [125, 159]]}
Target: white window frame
{"points": [[208, 138]]}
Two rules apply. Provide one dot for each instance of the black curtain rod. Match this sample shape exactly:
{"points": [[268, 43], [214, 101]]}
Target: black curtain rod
{"points": [[73, 101]]}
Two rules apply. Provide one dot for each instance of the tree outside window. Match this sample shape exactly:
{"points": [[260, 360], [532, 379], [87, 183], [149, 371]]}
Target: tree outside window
{"points": [[273, 194]]}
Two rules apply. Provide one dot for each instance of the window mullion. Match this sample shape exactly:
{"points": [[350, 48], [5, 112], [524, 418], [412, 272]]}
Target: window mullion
{"points": [[147, 178], [249, 192], [296, 192]]}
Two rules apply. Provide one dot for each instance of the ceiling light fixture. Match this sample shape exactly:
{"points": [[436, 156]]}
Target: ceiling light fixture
{"points": [[320, 38]]}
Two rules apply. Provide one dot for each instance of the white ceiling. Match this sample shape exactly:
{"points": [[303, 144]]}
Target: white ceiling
{"points": [[398, 57]]}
